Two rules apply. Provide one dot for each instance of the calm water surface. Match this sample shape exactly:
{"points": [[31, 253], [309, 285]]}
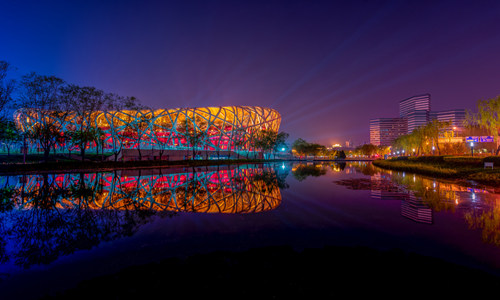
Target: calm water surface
{"points": [[58, 229]]}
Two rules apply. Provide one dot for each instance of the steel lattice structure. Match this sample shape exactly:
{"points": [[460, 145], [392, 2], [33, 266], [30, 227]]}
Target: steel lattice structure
{"points": [[239, 190], [217, 128]]}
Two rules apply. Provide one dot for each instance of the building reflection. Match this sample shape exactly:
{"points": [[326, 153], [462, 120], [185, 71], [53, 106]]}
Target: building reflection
{"points": [[211, 190], [47, 215], [421, 197], [412, 207], [479, 206]]}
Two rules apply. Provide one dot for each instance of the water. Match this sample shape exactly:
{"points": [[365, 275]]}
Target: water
{"points": [[59, 229]]}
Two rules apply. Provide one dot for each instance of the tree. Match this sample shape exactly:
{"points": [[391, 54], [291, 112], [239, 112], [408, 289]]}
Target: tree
{"points": [[7, 86], [487, 117], [114, 103], [367, 149], [136, 129], [265, 140], [163, 126], [194, 129], [314, 149], [433, 130], [41, 95], [9, 134], [85, 103], [304, 148], [280, 142], [300, 146], [238, 138]]}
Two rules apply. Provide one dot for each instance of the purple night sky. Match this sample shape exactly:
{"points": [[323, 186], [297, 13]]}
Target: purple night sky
{"points": [[326, 66]]}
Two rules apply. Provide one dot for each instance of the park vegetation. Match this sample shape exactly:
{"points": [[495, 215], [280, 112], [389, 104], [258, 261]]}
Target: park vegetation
{"points": [[59, 98], [486, 118]]}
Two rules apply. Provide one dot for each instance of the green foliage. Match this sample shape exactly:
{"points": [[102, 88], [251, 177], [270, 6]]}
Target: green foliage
{"points": [[367, 149], [9, 133], [6, 202], [304, 148], [487, 117], [423, 138], [270, 141]]}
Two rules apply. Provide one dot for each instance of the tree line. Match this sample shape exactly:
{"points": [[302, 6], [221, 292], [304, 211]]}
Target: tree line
{"points": [[486, 118], [58, 99], [435, 136], [302, 148]]}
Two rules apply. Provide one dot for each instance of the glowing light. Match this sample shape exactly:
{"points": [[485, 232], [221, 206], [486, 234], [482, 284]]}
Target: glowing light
{"points": [[220, 127]]}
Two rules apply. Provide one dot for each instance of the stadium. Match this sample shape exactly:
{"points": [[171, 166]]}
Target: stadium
{"points": [[161, 133]]}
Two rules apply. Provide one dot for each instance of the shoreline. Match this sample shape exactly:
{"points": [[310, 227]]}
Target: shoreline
{"points": [[452, 169], [106, 166]]}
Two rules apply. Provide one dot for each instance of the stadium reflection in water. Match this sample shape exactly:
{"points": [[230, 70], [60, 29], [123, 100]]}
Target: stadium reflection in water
{"points": [[48, 215]]}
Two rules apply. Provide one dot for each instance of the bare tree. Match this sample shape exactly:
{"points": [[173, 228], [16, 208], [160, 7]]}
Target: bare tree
{"points": [[85, 103], [7, 87], [41, 95]]}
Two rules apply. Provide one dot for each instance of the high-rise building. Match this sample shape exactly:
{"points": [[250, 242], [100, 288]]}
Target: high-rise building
{"points": [[416, 110], [419, 102], [456, 117], [383, 131]]}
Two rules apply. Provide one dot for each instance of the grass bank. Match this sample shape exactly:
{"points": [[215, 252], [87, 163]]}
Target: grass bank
{"points": [[451, 167]]}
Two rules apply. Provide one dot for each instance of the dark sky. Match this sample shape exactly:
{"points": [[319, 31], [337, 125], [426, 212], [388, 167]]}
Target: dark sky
{"points": [[326, 66]]}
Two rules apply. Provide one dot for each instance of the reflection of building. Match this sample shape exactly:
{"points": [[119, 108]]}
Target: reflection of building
{"points": [[383, 131], [415, 209], [208, 190], [412, 207], [229, 128]]}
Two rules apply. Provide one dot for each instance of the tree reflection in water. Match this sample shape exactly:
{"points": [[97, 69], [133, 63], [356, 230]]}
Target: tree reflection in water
{"points": [[45, 216], [302, 171], [420, 195]]}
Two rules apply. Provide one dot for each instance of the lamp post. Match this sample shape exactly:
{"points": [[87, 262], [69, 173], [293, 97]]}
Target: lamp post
{"points": [[433, 148], [472, 148]]}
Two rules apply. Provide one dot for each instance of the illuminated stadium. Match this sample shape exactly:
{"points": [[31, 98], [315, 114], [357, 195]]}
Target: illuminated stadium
{"points": [[206, 129]]}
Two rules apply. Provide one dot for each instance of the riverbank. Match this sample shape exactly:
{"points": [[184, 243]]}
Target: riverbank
{"points": [[449, 167], [13, 165], [102, 166]]}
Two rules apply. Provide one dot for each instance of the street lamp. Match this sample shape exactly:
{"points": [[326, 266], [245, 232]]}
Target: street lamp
{"points": [[413, 152], [433, 148], [472, 148]]}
